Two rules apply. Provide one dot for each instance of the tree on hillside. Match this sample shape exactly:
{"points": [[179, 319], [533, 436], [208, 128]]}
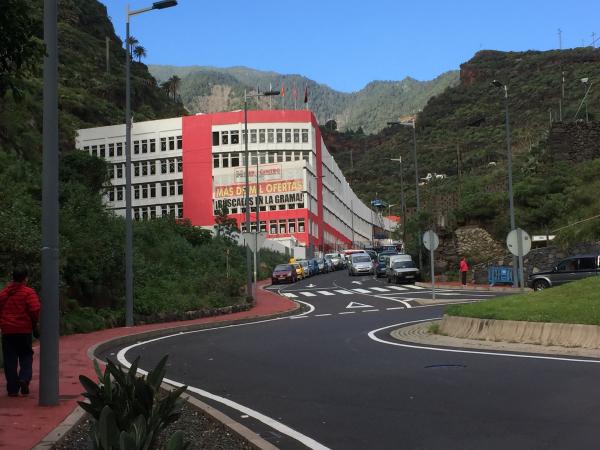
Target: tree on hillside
{"points": [[139, 52], [225, 226], [174, 81], [133, 42]]}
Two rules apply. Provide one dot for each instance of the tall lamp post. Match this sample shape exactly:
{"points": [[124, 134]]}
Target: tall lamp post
{"points": [[511, 205], [247, 199], [128, 222]]}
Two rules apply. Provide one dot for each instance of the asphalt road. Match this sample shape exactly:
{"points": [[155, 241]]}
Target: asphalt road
{"points": [[328, 379]]}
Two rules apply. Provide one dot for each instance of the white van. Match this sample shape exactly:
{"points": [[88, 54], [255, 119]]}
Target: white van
{"points": [[394, 258]]}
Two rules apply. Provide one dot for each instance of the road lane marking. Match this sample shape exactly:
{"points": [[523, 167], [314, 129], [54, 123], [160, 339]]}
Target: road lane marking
{"points": [[325, 293], [370, 310], [414, 286], [289, 294], [372, 336], [395, 307], [347, 312], [308, 294], [322, 315], [380, 289], [357, 305], [299, 317], [344, 292], [398, 288], [362, 291]]}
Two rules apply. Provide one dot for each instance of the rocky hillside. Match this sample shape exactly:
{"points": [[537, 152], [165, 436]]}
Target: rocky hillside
{"points": [[209, 89]]}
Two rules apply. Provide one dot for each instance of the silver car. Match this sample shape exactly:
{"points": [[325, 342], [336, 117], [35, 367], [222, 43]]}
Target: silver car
{"points": [[360, 264]]}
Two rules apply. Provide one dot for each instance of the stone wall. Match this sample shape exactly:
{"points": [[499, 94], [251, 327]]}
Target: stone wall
{"points": [[574, 141]]}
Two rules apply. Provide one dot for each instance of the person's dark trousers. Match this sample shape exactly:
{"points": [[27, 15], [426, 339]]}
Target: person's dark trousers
{"points": [[18, 358], [463, 277]]}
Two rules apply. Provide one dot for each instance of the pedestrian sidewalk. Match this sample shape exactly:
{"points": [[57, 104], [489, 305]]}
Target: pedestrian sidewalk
{"points": [[24, 423]]}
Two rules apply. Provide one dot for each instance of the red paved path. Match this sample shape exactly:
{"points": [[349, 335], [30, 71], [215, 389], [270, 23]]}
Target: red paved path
{"points": [[23, 423]]}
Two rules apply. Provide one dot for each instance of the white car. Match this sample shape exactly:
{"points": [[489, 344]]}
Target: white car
{"points": [[360, 264]]}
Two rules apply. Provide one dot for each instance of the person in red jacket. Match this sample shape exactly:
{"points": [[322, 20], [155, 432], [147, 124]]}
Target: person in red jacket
{"points": [[464, 268], [19, 314]]}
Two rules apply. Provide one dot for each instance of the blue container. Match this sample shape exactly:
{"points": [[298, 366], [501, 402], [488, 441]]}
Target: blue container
{"points": [[500, 275]]}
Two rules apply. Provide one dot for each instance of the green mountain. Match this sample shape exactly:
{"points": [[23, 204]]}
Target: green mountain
{"points": [[461, 134], [210, 89]]}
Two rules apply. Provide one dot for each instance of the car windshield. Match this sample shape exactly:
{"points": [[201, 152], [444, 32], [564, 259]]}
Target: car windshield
{"points": [[361, 258], [281, 267], [404, 265]]}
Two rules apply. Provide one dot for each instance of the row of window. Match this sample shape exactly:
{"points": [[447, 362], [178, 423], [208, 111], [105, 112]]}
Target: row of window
{"points": [[239, 159], [152, 212], [148, 190], [143, 168], [261, 136], [263, 208], [281, 226], [139, 146]]}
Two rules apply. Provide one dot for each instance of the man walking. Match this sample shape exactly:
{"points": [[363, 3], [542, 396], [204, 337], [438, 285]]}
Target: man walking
{"points": [[464, 268], [19, 314]]}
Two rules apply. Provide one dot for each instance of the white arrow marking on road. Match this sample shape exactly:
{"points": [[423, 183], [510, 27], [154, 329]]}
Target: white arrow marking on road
{"points": [[311, 285], [357, 305], [357, 282]]}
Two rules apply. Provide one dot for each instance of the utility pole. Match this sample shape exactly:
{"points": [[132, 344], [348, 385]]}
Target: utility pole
{"points": [[351, 160], [107, 41]]}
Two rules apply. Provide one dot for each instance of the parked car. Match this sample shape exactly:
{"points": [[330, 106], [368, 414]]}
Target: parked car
{"points": [[284, 272], [372, 254], [382, 264], [324, 265], [402, 271], [314, 266], [336, 259], [360, 263], [299, 271], [330, 266], [569, 269], [305, 267]]}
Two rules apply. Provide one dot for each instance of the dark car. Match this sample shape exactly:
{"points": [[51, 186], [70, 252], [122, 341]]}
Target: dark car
{"points": [[314, 266], [382, 263], [284, 272], [403, 272], [329, 265], [569, 269]]}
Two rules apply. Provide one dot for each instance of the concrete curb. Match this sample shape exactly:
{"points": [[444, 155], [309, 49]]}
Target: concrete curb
{"points": [[61, 430], [539, 333], [475, 287]]}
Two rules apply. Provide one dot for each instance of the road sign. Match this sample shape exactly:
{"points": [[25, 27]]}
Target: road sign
{"points": [[512, 242], [253, 240], [430, 240]]}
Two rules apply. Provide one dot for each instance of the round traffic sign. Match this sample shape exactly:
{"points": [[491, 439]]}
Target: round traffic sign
{"points": [[430, 240], [512, 242]]}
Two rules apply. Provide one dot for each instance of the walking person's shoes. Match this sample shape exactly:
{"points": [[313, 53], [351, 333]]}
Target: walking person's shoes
{"points": [[24, 387]]}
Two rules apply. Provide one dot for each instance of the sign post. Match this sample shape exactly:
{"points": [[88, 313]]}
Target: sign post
{"points": [[519, 244], [431, 242]]}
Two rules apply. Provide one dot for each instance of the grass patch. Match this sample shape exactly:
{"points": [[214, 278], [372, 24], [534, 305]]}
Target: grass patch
{"points": [[577, 302], [434, 328]]}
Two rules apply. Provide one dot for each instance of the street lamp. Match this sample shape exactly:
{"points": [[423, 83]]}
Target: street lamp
{"points": [[128, 223], [247, 200], [511, 205]]}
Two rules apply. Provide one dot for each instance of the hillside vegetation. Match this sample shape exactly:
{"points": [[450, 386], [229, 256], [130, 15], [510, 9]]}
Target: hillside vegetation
{"points": [[461, 133], [177, 267], [210, 89]]}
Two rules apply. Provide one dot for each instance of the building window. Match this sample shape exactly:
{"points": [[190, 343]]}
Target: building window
{"points": [[152, 212], [263, 157], [305, 156], [226, 160], [253, 136], [272, 207], [297, 156], [163, 144], [136, 147], [215, 139], [282, 226], [270, 136], [235, 137], [163, 166], [120, 193], [235, 160], [296, 136], [304, 136], [144, 146], [153, 190], [216, 161], [111, 195], [179, 188], [171, 166], [180, 210], [136, 213], [163, 210], [281, 207], [279, 156], [119, 170], [144, 168], [288, 156], [136, 169], [225, 137], [111, 150], [292, 225], [261, 136], [271, 156], [263, 226], [152, 167], [136, 192], [94, 150], [172, 188], [279, 135], [179, 165], [288, 135], [253, 159], [179, 143], [87, 149], [171, 143], [273, 226], [301, 225], [152, 145], [111, 171], [102, 151], [163, 188], [119, 149], [144, 191], [145, 213]]}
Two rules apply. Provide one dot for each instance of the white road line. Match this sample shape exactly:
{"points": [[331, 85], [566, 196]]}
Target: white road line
{"points": [[414, 286], [308, 294], [322, 315], [289, 294], [472, 352], [380, 289], [395, 307], [311, 308], [342, 291], [299, 317], [370, 310], [398, 288], [325, 292], [362, 291], [347, 312]]}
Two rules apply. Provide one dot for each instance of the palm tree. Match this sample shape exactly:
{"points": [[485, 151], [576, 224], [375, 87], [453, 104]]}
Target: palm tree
{"points": [[174, 82], [132, 42], [167, 87], [139, 52]]}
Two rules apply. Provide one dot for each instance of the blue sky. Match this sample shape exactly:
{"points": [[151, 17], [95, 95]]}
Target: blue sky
{"points": [[348, 44]]}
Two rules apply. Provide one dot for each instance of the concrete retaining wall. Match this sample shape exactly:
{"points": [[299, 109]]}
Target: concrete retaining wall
{"points": [[561, 334]]}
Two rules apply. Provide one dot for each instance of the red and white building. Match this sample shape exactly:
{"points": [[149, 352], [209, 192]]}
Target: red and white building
{"points": [[193, 166]]}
